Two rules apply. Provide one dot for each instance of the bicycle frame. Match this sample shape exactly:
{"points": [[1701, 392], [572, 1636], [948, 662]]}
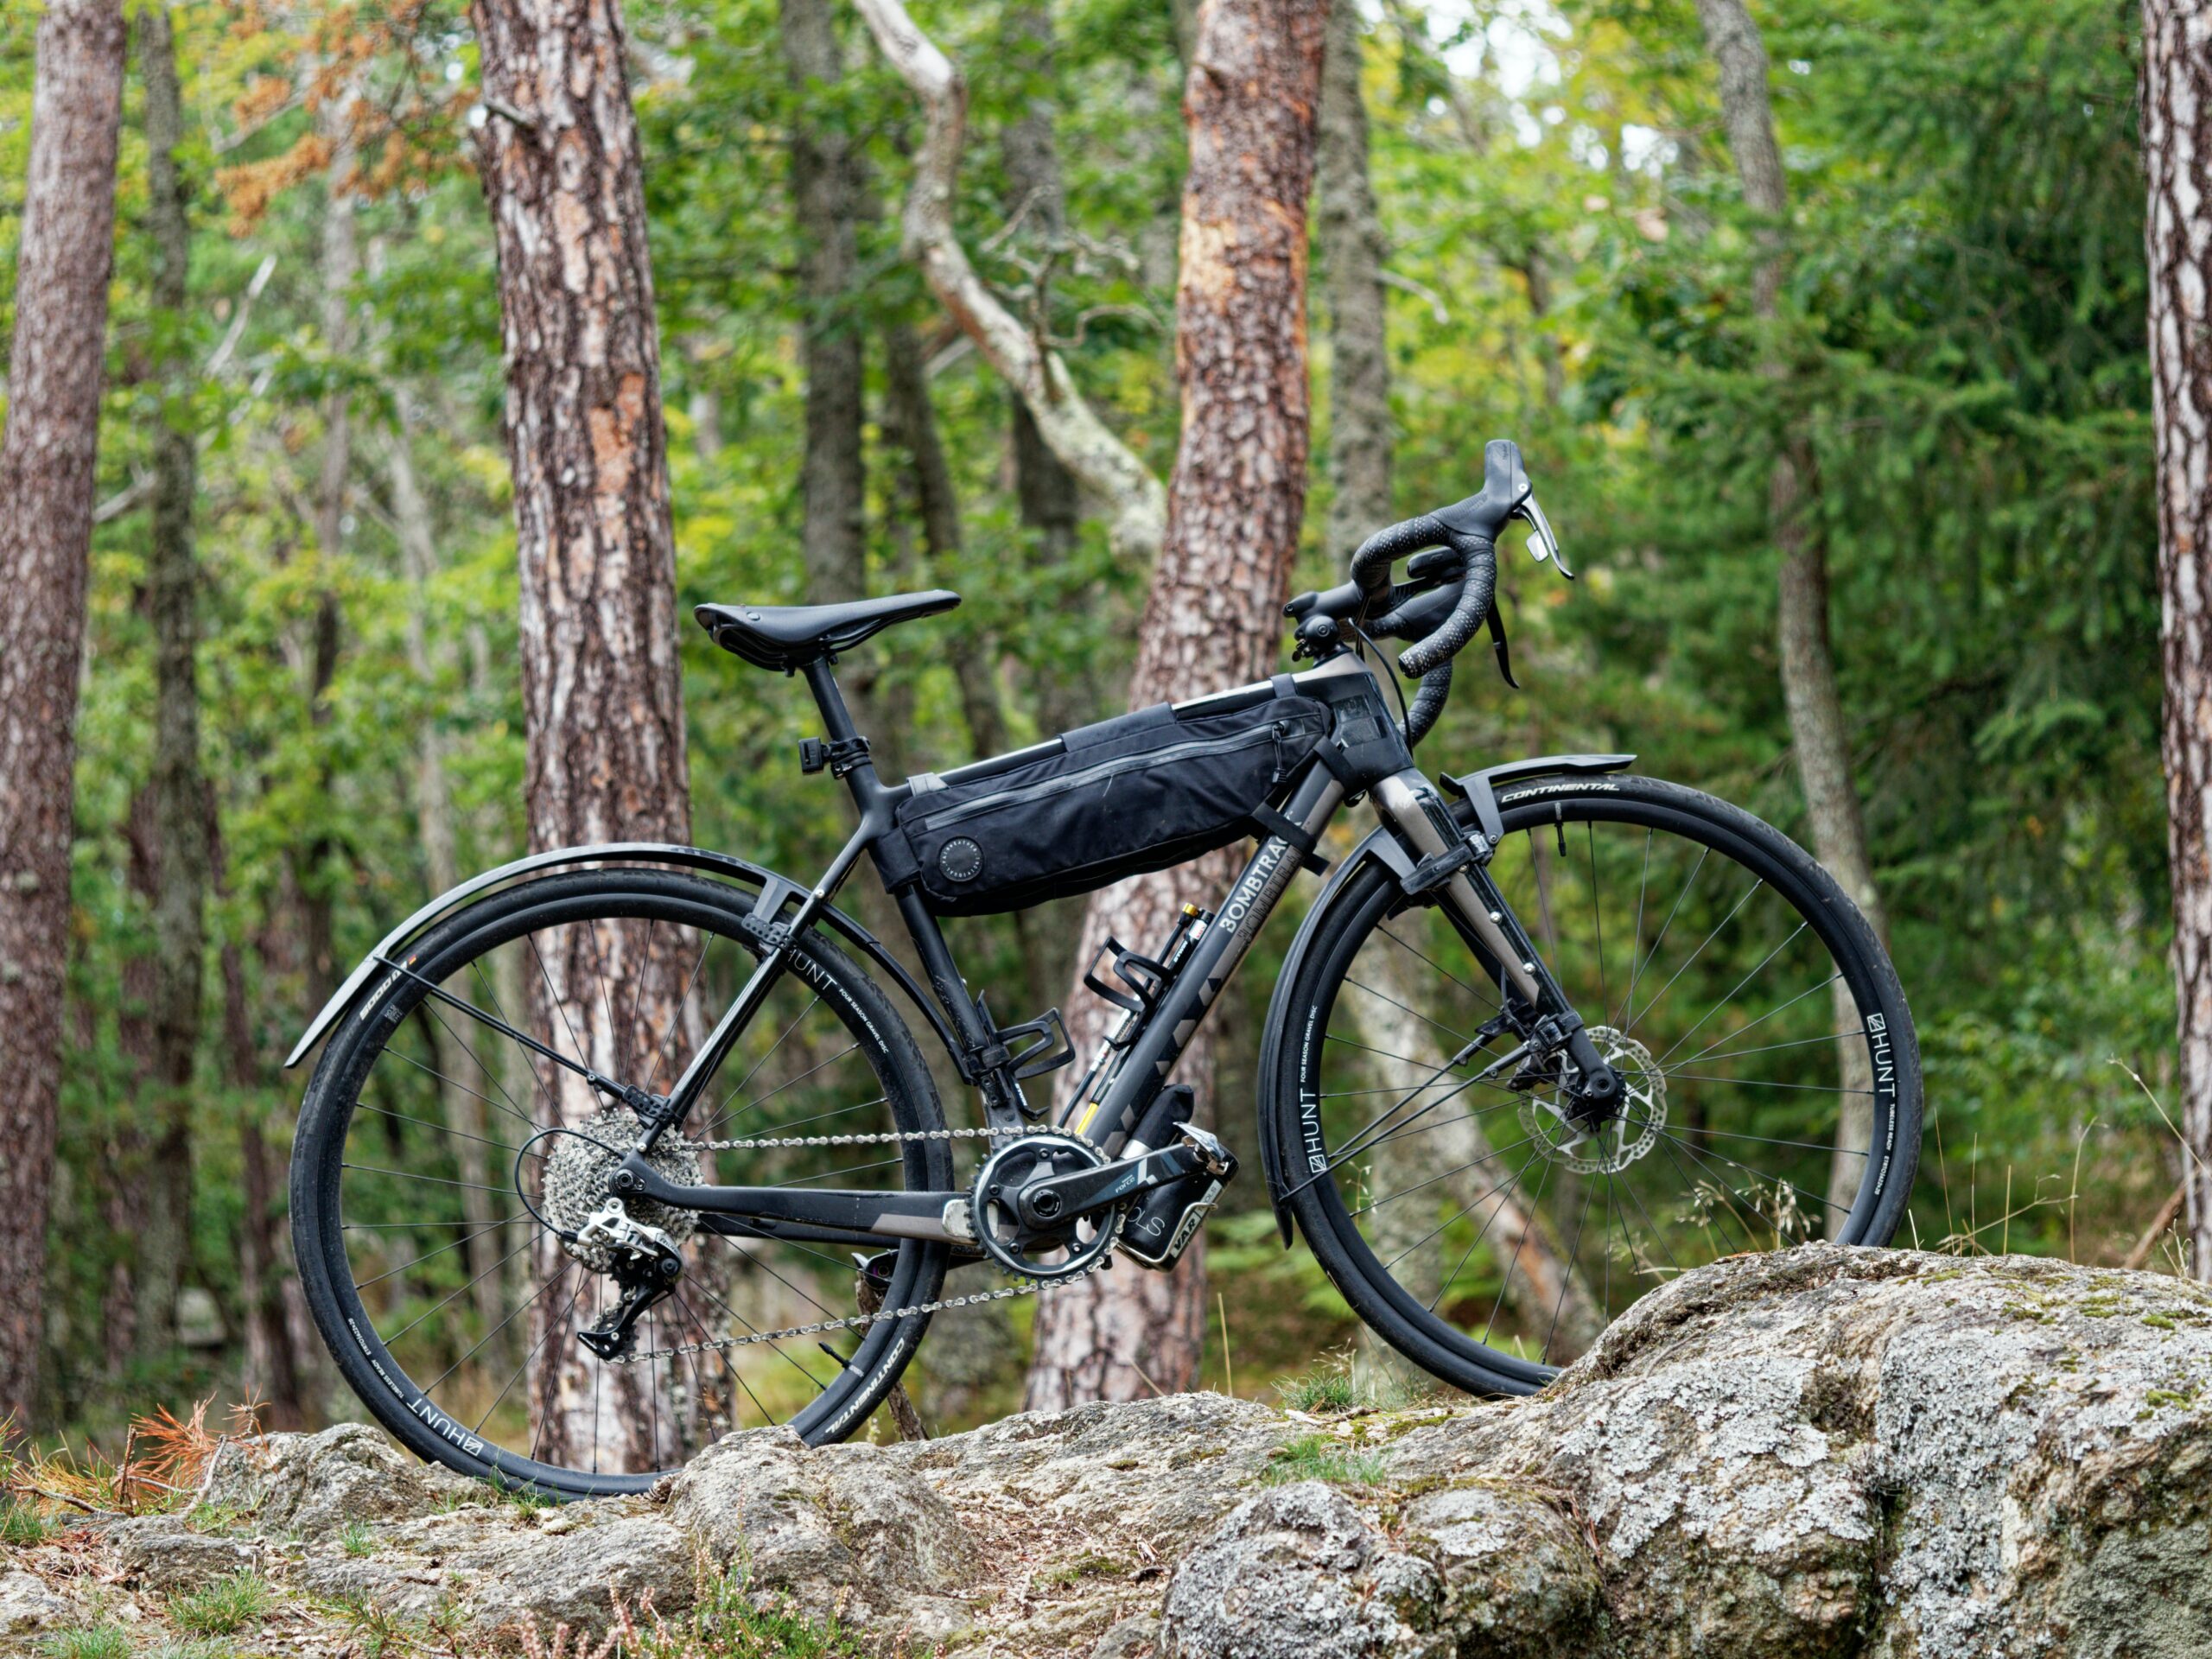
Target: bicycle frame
{"points": [[1412, 814]]}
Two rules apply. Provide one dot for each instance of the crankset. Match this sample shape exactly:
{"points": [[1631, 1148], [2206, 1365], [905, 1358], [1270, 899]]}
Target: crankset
{"points": [[1050, 1236]]}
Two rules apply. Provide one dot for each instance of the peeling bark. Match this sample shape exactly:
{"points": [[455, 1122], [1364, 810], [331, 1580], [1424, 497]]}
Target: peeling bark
{"points": [[2178, 236], [47, 481], [1215, 609], [602, 698]]}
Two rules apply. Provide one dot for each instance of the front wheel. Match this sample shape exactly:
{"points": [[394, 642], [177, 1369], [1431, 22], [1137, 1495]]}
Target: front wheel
{"points": [[445, 1170], [1772, 1090]]}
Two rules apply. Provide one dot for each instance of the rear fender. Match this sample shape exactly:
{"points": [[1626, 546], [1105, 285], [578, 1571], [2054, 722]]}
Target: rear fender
{"points": [[1277, 1150], [776, 893]]}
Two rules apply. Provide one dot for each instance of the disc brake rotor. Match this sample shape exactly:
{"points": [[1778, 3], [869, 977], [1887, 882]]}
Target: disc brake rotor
{"points": [[1622, 1138], [585, 1154]]}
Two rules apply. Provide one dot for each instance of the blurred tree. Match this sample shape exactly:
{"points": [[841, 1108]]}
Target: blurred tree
{"points": [[2177, 157], [47, 481], [1817, 730]]}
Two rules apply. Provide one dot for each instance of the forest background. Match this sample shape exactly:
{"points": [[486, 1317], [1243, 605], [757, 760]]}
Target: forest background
{"points": [[1567, 256]]}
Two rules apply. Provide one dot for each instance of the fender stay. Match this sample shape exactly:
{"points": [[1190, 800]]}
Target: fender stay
{"points": [[776, 891]]}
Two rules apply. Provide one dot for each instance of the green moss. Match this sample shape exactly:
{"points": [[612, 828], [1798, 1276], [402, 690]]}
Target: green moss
{"points": [[2161, 1321], [1089, 1565]]}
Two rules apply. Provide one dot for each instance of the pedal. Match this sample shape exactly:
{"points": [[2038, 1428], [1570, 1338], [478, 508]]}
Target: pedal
{"points": [[1160, 1227]]}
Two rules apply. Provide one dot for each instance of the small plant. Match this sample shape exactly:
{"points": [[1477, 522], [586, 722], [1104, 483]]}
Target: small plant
{"points": [[355, 1539], [528, 1499], [22, 1525], [1342, 1382], [89, 1642], [1323, 1391], [723, 1625], [227, 1605], [1323, 1457]]}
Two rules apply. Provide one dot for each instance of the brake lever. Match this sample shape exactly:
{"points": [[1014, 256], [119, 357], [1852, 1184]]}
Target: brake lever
{"points": [[1544, 543]]}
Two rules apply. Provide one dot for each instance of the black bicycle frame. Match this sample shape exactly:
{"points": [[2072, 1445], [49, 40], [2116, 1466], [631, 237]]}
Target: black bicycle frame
{"points": [[1406, 802]]}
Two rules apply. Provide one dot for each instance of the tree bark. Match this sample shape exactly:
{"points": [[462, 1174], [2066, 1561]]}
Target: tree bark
{"points": [[2178, 238], [1135, 505], [1235, 506], [179, 850], [602, 698], [1818, 733], [48, 459]]}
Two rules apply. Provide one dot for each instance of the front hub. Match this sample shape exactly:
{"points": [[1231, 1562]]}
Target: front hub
{"points": [[1562, 1127]]}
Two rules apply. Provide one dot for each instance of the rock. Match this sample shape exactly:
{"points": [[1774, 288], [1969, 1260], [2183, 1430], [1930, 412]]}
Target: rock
{"points": [[26, 1606], [1829, 1451], [1300, 1572], [316, 1485]]}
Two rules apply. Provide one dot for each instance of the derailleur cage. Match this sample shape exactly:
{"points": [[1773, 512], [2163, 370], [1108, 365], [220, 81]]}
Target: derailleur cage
{"points": [[645, 1267]]}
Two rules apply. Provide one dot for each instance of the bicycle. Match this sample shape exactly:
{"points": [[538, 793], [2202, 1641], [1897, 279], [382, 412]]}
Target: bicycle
{"points": [[507, 1178]]}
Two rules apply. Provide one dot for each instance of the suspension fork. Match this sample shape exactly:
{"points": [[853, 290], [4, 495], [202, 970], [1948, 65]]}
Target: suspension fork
{"points": [[1456, 863]]}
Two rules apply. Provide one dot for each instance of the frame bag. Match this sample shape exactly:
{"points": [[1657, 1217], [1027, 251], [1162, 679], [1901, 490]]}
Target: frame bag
{"points": [[1137, 793]]}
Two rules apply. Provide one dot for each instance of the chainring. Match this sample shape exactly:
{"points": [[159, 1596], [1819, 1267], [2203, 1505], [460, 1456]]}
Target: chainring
{"points": [[585, 1154], [998, 1229]]}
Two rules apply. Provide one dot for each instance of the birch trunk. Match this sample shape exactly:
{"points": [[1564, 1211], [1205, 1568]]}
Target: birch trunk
{"points": [[2177, 236], [1212, 619], [602, 699], [1818, 733], [48, 461]]}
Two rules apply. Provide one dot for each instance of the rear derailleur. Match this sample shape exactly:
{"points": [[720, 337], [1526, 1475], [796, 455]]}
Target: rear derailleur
{"points": [[645, 1265]]}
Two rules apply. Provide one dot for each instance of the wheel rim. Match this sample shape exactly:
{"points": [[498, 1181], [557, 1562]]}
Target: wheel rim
{"points": [[450, 1284], [1499, 1236]]}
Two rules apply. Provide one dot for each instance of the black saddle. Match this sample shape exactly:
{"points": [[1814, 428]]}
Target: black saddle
{"points": [[791, 636]]}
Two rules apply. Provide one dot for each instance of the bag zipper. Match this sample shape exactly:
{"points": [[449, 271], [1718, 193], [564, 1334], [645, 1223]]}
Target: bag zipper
{"points": [[1271, 732]]}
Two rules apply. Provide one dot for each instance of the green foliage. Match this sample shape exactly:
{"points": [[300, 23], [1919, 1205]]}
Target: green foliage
{"points": [[355, 1538], [725, 1624], [88, 1641], [22, 1526]]}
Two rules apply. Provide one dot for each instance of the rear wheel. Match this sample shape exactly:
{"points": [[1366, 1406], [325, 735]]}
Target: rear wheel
{"points": [[1772, 1080], [440, 1161]]}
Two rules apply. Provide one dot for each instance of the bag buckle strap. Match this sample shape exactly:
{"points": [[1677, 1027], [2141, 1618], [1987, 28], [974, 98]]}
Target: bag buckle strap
{"points": [[1302, 839]]}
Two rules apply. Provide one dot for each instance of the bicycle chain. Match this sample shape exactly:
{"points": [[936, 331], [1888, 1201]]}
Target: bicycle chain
{"points": [[861, 1321]]}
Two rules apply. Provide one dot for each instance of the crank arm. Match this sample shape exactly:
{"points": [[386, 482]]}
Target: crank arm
{"points": [[1056, 1202], [851, 1217]]}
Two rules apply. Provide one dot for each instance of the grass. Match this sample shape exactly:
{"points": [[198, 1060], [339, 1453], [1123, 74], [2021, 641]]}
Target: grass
{"points": [[355, 1539], [723, 1624], [1323, 1457], [1338, 1385], [223, 1607], [22, 1525], [88, 1641]]}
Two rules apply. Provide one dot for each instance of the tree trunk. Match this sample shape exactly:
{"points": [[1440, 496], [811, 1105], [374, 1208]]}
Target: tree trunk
{"points": [[602, 698], [1234, 509], [178, 853], [2177, 235], [1351, 255], [1817, 731], [47, 462]]}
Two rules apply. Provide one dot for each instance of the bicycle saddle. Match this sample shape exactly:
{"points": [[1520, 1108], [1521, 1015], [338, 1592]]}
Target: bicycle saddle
{"points": [[791, 636]]}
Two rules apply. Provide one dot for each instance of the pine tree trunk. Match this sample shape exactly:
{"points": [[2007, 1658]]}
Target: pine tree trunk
{"points": [[178, 853], [2178, 235], [1351, 236], [1818, 733], [1212, 620], [47, 477], [602, 698]]}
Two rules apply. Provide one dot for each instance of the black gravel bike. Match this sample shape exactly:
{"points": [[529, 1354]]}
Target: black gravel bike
{"points": [[618, 1147]]}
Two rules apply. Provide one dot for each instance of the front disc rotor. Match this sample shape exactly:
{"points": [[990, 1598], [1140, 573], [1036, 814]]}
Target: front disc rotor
{"points": [[1549, 1120]]}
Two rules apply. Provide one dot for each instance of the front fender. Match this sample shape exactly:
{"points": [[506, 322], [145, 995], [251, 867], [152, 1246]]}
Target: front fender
{"points": [[776, 891], [1379, 847]]}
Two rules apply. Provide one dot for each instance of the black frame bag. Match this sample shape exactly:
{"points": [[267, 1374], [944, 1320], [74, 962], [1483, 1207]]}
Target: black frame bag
{"points": [[1137, 793]]}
